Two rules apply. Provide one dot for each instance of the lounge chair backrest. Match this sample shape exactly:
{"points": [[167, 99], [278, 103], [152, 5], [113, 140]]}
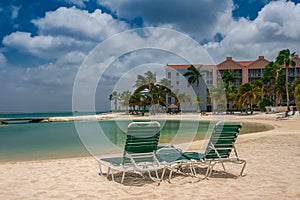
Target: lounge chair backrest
{"points": [[142, 138], [222, 140]]}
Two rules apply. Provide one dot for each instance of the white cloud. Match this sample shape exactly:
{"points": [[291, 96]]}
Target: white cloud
{"points": [[74, 57], [273, 30], [79, 23], [3, 60], [47, 47], [50, 78], [64, 38], [44, 88], [197, 18], [63, 31], [281, 18], [15, 11]]}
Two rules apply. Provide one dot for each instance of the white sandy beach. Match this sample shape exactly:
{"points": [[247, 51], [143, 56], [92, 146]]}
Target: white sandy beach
{"points": [[273, 161]]}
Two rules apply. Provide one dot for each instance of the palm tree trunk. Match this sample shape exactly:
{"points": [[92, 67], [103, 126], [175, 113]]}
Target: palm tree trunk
{"points": [[116, 104], [276, 95], [287, 86]]}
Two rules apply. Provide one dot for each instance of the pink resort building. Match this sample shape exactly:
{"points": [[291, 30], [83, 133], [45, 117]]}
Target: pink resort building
{"points": [[245, 71]]}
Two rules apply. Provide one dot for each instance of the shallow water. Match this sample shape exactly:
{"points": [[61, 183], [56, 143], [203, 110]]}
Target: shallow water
{"points": [[33, 141]]}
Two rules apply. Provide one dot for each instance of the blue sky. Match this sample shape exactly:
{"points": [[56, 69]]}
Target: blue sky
{"points": [[43, 43]]}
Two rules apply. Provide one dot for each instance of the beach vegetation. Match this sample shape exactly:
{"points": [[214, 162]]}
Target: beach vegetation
{"points": [[296, 87], [271, 76], [146, 79], [229, 77], [184, 99], [125, 97], [218, 95], [248, 95], [115, 97], [165, 82], [194, 75], [285, 60], [150, 95]]}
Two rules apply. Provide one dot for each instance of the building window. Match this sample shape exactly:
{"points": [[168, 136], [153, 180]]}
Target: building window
{"points": [[177, 74], [177, 82], [209, 82], [169, 75], [254, 73], [238, 73]]}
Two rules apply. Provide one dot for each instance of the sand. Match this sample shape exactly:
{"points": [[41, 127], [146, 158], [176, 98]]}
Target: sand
{"points": [[273, 161]]}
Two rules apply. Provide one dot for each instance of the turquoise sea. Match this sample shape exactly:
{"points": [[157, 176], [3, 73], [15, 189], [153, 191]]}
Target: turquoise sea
{"points": [[44, 114], [33, 141]]}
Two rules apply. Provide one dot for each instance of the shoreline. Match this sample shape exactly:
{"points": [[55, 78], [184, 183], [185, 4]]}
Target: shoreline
{"points": [[272, 173], [121, 115]]}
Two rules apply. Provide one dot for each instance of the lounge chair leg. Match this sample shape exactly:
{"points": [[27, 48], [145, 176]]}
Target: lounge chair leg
{"points": [[157, 177], [223, 166], [207, 173], [170, 175], [192, 169], [163, 174], [108, 171], [100, 169], [123, 176], [244, 161], [194, 173], [112, 175], [211, 169]]}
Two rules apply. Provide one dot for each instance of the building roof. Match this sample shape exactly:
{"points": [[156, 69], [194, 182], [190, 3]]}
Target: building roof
{"points": [[228, 59], [244, 63], [187, 66]]}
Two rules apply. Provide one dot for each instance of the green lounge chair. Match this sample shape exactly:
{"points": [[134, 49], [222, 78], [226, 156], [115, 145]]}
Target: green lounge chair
{"points": [[139, 152], [219, 150]]}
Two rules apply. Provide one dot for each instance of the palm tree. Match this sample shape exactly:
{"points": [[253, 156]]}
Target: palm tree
{"points": [[165, 82], [248, 93], [280, 87], [184, 99], [125, 97], [297, 96], [285, 58], [260, 84], [114, 97], [147, 81], [148, 78], [229, 77], [218, 95], [198, 102], [135, 100], [271, 75], [194, 77], [296, 85]]}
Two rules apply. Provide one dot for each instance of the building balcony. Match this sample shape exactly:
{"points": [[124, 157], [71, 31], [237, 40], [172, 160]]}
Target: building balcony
{"points": [[292, 75], [254, 75]]}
